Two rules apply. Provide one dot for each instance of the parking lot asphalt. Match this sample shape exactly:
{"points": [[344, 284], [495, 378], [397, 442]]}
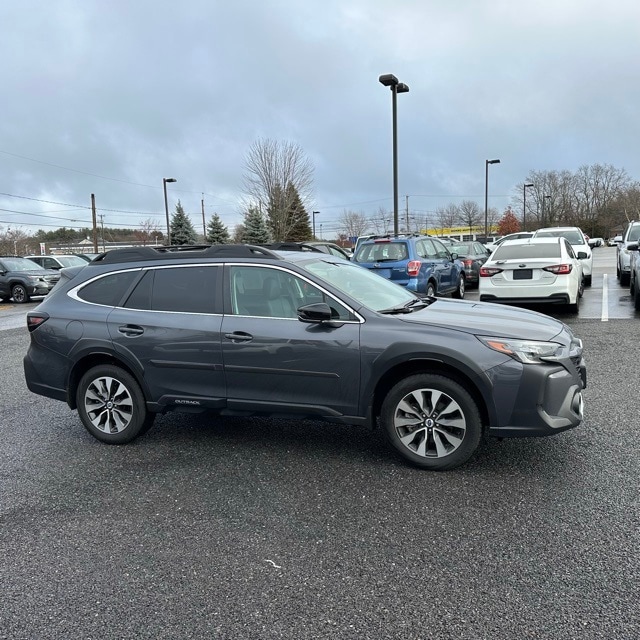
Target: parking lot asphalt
{"points": [[214, 527]]}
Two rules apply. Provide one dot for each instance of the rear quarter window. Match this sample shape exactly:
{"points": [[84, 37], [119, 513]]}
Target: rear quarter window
{"points": [[110, 289]]}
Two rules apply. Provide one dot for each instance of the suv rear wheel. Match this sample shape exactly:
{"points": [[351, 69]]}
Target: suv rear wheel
{"points": [[459, 292], [432, 421], [111, 405]]}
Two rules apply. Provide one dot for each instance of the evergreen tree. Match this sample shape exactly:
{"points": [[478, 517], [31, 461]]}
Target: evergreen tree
{"points": [[299, 227], [182, 231], [287, 218], [217, 233], [255, 227]]}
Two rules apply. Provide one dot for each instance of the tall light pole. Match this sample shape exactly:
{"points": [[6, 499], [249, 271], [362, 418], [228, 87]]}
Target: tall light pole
{"points": [[166, 206], [486, 196], [524, 204], [314, 213], [389, 80]]}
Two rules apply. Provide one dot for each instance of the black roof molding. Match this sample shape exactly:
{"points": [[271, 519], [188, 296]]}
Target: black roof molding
{"points": [[161, 252]]}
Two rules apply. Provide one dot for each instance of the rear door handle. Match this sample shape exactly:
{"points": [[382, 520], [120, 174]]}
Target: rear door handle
{"points": [[131, 330], [239, 336]]}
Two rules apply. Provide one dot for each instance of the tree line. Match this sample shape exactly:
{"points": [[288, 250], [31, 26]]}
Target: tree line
{"points": [[278, 185]]}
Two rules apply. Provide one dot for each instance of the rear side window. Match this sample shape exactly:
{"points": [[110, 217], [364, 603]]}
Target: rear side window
{"points": [[109, 289], [188, 289]]}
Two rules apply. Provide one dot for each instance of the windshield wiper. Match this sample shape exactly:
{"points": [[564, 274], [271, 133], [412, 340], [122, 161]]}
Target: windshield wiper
{"points": [[413, 305]]}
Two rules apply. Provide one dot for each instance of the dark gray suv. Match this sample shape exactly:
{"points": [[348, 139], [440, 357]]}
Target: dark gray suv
{"points": [[242, 330]]}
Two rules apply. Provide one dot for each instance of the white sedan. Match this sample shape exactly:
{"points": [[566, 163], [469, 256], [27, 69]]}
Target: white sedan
{"points": [[579, 243], [534, 271]]}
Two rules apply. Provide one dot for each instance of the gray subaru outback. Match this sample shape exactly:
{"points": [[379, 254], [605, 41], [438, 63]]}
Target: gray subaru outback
{"points": [[244, 330]]}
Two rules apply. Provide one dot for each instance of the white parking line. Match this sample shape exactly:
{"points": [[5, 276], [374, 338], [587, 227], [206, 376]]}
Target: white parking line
{"points": [[605, 299]]}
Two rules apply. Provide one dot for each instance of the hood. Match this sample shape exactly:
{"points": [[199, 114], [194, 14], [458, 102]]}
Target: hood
{"points": [[487, 319]]}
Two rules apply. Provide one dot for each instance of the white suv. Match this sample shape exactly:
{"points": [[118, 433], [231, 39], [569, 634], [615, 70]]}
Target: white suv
{"points": [[623, 257], [579, 243]]}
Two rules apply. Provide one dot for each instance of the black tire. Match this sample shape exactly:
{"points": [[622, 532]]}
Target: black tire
{"points": [[636, 298], [574, 308], [587, 281], [624, 279], [19, 294], [431, 290], [459, 292], [111, 405], [438, 423]]}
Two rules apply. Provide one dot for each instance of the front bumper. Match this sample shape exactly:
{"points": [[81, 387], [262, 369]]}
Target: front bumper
{"points": [[549, 400]]}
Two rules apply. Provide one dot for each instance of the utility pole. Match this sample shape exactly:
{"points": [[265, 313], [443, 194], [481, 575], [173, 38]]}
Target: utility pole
{"points": [[102, 226], [204, 224], [407, 212], [95, 226]]}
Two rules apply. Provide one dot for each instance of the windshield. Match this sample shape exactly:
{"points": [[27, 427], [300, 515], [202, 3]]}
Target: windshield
{"points": [[573, 236], [526, 251], [71, 261], [20, 264], [382, 251], [371, 290]]}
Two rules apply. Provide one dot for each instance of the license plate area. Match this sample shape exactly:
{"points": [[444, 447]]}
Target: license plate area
{"points": [[523, 274]]}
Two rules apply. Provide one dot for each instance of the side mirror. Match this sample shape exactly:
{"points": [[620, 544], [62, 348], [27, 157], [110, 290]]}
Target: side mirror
{"points": [[582, 255], [316, 313], [618, 239], [454, 256]]}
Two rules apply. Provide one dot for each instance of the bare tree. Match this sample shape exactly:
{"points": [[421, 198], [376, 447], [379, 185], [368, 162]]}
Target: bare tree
{"points": [[470, 215], [13, 241], [381, 221], [148, 232], [276, 174], [353, 223], [447, 217]]}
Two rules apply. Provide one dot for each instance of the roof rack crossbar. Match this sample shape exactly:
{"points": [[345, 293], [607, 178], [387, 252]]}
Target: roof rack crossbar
{"points": [[135, 254]]}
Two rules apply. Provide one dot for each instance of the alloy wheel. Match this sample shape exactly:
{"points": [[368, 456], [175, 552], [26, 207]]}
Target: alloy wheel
{"points": [[430, 423], [108, 404]]}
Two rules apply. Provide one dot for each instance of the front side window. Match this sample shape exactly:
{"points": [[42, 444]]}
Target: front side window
{"points": [[274, 293]]}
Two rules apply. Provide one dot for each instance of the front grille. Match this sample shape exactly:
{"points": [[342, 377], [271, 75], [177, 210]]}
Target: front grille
{"points": [[51, 278]]}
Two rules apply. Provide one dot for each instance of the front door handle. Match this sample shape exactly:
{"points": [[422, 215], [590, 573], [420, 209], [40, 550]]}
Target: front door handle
{"points": [[239, 336], [131, 330]]}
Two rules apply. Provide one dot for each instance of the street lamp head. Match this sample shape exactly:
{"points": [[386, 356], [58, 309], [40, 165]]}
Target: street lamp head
{"points": [[493, 161], [388, 80], [528, 184], [402, 88], [169, 179], [547, 196]]}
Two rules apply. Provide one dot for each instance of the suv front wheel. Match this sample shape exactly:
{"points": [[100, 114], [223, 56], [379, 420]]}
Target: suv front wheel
{"points": [[111, 405], [19, 294], [432, 421]]}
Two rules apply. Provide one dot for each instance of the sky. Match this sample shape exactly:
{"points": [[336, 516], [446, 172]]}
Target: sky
{"points": [[108, 97]]}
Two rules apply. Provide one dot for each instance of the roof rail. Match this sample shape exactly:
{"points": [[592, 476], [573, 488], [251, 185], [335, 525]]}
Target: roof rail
{"points": [[290, 246], [394, 235], [162, 252]]}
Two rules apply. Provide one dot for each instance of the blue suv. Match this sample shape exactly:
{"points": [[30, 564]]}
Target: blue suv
{"points": [[420, 263]]}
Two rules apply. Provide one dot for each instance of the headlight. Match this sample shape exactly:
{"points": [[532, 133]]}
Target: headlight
{"points": [[526, 351], [35, 279]]}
